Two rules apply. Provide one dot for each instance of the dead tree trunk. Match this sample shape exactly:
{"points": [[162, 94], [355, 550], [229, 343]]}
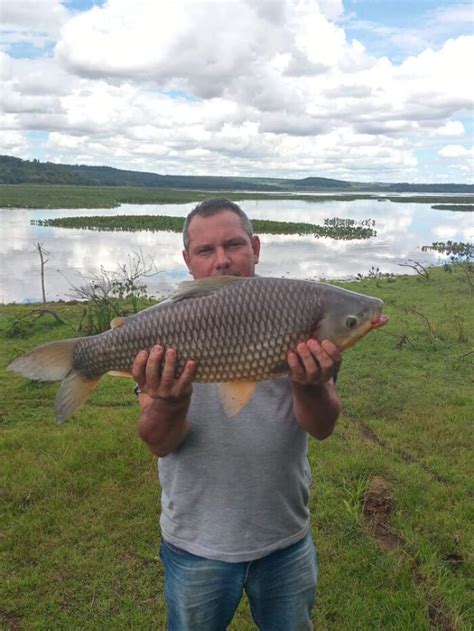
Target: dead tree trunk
{"points": [[39, 247]]}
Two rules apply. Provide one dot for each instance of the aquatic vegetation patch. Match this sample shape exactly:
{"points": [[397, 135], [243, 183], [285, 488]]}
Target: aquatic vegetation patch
{"points": [[456, 207], [452, 248], [335, 228]]}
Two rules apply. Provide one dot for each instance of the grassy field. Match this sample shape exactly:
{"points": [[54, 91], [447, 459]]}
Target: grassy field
{"points": [[64, 196], [391, 501]]}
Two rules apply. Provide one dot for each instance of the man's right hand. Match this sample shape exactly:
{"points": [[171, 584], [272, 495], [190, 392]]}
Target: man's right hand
{"points": [[155, 375], [164, 398]]}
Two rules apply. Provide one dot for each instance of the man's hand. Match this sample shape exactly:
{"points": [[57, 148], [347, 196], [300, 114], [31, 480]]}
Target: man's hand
{"points": [[146, 371], [314, 363], [315, 402], [164, 398]]}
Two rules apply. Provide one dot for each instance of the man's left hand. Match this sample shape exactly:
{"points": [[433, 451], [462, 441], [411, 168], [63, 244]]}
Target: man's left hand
{"points": [[314, 363]]}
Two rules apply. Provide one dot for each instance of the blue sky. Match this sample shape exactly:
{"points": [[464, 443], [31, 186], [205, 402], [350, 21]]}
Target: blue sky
{"points": [[82, 5], [397, 28], [353, 89]]}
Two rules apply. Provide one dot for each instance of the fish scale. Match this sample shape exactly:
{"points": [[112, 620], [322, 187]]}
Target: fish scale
{"points": [[226, 347]]}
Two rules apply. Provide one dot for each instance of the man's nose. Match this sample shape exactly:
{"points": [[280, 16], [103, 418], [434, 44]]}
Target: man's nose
{"points": [[222, 259]]}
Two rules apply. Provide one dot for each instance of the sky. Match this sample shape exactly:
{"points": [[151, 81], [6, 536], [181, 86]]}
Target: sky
{"points": [[361, 90]]}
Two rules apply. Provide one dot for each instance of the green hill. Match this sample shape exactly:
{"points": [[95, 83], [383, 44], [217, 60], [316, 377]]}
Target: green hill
{"points": [[17, 171]]}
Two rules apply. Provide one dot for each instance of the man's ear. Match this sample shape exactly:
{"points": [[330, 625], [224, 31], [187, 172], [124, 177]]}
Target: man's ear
{"points": [[186, 259], [256, 248]]}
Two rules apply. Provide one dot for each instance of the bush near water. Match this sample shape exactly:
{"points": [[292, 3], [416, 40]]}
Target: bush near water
{"points": [[391, 502]]}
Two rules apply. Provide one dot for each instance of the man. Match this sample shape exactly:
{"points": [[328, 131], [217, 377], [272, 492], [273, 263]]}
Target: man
{"points": [[235, 491]]}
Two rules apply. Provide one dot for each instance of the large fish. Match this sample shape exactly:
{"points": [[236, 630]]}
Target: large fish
{"points": [[239, 330]]}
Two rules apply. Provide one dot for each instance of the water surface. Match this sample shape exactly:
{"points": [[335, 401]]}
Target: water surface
{"points": [[76, 256]]}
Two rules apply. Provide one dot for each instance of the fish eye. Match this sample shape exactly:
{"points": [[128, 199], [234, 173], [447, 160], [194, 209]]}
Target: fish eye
{"points": [[351, 322]]}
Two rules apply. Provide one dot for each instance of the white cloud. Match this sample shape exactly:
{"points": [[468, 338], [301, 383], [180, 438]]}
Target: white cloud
{"points": [[32, 21], [236, 87], [458, 16], [43, 15], [456, 151], [200, 44], [451, 129], [13, 142]]}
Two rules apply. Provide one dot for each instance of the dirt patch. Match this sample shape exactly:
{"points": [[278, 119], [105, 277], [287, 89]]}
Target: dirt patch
{"points": [[377, 508], [376, 511], [367, 432], [454, 561], [10, 621], [439, 618], [371, 435], [409, 459]]}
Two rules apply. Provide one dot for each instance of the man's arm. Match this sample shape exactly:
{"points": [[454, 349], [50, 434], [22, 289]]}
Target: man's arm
{"points": [[164, 401], [315, 401]]}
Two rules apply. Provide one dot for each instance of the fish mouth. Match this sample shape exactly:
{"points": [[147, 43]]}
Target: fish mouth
{"points": [[379, 321]]}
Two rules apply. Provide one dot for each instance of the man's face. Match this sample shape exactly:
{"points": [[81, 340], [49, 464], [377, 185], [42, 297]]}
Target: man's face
{"points": [[219, 246]]}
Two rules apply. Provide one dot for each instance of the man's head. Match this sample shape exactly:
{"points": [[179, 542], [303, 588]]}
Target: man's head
{"points": [[219, 241]]}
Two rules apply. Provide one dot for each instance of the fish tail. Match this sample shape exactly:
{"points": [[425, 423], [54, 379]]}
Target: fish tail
{"points": [[51, 362], [48, 362]]}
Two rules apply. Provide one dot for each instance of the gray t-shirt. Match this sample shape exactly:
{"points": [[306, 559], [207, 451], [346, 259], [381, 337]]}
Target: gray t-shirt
{"points": [[237, 488]]}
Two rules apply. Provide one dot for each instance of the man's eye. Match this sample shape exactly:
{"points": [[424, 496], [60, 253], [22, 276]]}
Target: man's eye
{"points": [[204, 251]]}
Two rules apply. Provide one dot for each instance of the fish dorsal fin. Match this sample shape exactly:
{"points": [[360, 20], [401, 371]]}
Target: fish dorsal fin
{"points": [[202, 287], [119, 321], [235, 395]]}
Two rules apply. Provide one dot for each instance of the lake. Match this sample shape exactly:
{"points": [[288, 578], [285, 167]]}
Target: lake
{"points": [[75, 256]]}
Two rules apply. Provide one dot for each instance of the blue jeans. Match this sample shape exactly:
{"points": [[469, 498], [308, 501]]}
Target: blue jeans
{"points": [[202, 594]]}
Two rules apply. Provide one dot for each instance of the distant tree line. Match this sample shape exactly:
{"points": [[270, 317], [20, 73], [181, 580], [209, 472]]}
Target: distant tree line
{"points": [[17, 171]]}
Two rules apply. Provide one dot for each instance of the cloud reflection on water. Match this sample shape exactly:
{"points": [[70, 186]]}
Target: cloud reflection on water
{"points": [[402, 229]]}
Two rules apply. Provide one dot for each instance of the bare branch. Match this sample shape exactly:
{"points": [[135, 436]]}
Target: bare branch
{"points": [[42, 252], [418, 267]]}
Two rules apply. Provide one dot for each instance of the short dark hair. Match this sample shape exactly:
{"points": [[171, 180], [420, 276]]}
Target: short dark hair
{"points": [[212, 206]]}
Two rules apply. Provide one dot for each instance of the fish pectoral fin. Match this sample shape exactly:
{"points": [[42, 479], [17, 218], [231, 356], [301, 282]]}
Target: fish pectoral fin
{"points": [[202, 287], [120, 373], [75, 389], [118, 321], [235, 395]]}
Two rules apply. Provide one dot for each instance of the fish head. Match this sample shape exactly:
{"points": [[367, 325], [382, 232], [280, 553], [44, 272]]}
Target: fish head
{"points": [[347, 316]]}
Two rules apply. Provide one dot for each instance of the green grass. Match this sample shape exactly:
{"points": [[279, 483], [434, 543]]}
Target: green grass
{"points": [[68, 196], [81, 501]]}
